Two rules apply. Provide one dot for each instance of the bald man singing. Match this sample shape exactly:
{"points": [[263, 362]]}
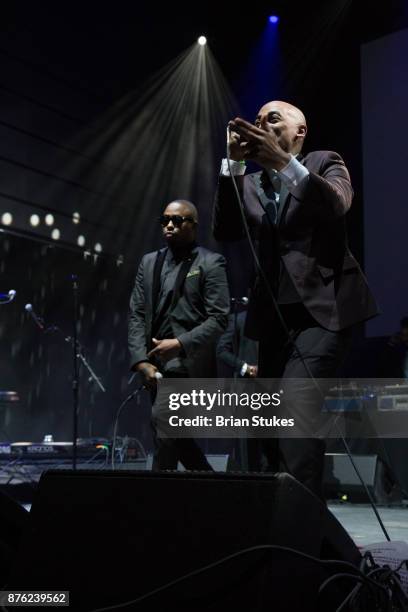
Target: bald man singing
{"points": [[295, 208]]}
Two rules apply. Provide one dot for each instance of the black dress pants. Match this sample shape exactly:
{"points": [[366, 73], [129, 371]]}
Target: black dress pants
{"points": [[322, 351], [169, 451]]}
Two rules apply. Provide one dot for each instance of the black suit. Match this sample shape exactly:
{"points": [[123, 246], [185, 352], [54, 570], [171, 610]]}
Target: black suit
{"points": [[234, 349], [310, 240], [196, 307], [320, 287]]}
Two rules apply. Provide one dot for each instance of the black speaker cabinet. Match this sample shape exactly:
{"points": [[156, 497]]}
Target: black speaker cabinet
{"points": [[13, 522], [109, 537]]}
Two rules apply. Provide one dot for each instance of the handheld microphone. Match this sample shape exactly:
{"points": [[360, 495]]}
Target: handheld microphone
{"points": [[37, 320], [157, 375], [242, 300], [228, 139]]}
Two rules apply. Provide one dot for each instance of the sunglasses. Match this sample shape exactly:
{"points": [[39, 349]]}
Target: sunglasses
{"points": [[177, 220]]}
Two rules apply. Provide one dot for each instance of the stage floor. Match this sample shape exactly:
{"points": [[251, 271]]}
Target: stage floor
{"points": [[362, 525]]}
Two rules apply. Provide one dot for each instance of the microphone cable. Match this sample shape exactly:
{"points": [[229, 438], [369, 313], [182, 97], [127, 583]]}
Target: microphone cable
{"points": [[158, 376], [116, 422]]}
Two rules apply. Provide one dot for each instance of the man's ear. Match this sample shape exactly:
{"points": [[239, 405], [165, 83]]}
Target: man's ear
{"points": [[301, 131]]}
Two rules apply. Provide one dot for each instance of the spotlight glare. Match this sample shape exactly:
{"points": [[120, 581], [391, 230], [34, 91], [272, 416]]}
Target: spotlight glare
{"points": [[34, 220], [202, 40], [55, 234], [81, 241], [76, 217], [7, 218], [49, 219], [273, 19], [98, 247]]}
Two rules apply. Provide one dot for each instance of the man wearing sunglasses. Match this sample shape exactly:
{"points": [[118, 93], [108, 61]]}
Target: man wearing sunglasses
{"points": [[178, 309]]}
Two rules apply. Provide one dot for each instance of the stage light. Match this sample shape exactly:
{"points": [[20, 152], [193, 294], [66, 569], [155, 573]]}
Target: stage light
{"points": [[7, 218], [198, 102], [273, 19], [34, 220], [98, 247], [55, 234], [49, 219], [76, 217], [81, 241]]}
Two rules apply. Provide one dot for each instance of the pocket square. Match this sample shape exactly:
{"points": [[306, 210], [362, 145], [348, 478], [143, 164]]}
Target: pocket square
{"points": [[193, 273]]}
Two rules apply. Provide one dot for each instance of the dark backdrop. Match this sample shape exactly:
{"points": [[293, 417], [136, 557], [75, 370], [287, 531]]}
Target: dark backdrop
{"points": [[62, 66]]}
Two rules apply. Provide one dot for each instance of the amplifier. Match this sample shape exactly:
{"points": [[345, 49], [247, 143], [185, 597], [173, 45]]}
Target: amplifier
{"points": [[341, 479], [392, 402], [219, 463]]}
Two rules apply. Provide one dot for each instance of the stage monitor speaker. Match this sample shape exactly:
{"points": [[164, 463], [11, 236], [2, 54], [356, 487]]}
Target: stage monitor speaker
{"points": [[219, 463], [222, 463], [341, 479], [110, 537]]}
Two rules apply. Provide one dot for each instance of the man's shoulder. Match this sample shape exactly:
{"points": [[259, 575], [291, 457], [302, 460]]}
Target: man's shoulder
{"points": [[151, 255], [210, 256], [321, 157]]}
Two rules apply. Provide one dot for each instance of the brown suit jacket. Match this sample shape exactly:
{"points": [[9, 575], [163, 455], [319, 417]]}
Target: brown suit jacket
{"points": [[311, 242]]}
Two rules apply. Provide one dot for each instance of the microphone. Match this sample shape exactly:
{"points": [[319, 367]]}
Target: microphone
{"points": [[37, 320], [157, 375], [8, 296], [242, 300]]}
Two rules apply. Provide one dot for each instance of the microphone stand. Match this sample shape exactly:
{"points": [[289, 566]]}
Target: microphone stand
{"points": [[92, 380], [93, 377], [243, 450], [75, 376], [80, 354]]}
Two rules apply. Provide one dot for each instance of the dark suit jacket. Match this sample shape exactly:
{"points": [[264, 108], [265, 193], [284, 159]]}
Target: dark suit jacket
{"points": [[198, 318], [245, 352], [311, 242]]}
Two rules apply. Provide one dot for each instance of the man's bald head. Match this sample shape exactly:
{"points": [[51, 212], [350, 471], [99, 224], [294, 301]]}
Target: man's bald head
{"points": [[287, 121], [288, 109]]}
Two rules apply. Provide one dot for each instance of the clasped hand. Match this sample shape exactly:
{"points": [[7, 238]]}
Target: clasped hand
{"points": [[259, 144]]}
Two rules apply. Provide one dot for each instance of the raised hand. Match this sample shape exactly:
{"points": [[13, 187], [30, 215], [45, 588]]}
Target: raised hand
{"points": [[261, 143]]}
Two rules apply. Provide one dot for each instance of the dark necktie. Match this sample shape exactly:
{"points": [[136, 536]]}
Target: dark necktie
{"points": [[271, 203]]}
